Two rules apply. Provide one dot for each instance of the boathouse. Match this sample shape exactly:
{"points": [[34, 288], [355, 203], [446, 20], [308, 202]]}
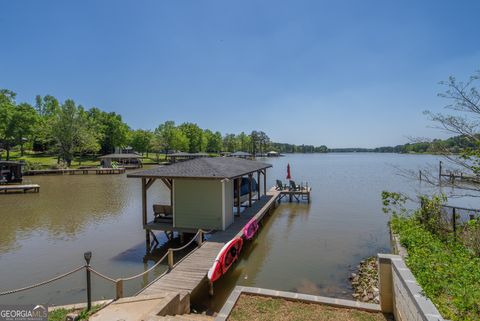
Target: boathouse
{"points": [[182, 156], [131, 160], [11, 172], [203, 193], [240, 154]]}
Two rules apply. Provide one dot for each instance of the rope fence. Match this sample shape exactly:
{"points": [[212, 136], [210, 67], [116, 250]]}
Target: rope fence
{"points": [[198, 237]]}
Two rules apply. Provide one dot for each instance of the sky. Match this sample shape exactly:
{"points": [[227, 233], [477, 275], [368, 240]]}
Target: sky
{"points": [[338, 73]]}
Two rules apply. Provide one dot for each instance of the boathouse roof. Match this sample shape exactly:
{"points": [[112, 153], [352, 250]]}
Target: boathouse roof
{"points": [[204, 168], [240, 154], [131, 155], [181, 154]]}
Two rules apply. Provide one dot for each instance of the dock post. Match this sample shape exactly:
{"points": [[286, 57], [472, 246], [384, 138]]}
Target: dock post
{"points": [[147, 239], [258, 186], [200, 238], [170, 259], [119, 288], [440, 173]]}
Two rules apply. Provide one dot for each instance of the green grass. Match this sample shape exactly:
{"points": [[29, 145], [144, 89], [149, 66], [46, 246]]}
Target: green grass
{"points": [[257, 308], [61, 314], [448, 272]]}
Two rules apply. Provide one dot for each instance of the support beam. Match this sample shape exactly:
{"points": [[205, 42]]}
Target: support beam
{"points": [[239, 182], [144, 201], [258, 185], [149, 183], [265, 182], [250, 187]]}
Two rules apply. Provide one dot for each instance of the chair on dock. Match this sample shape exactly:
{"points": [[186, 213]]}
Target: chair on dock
{"points": [[162, 213], [280, 186], [294, 186]]}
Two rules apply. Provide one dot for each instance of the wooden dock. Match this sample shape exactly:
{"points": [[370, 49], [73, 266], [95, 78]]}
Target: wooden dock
{"points": [[190, 273], [35, 188], [299, 195], [81, 171]]}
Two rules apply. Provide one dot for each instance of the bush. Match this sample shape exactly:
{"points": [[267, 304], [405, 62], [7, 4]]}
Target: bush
{"points": [[447, 271]]}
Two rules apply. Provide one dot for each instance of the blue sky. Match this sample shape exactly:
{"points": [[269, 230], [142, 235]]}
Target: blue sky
{"points": [[340, 73]]}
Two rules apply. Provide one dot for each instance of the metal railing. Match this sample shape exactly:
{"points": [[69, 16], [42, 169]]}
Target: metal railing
{"points": [[119, 293]]}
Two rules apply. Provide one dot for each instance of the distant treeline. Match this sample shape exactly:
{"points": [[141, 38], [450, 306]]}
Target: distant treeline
{"points": [[454, 145]]}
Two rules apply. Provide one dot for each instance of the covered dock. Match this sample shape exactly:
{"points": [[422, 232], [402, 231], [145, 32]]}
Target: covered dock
{"points": [[241, 154], [203, 193], [182, 156], [11, 172], [131, 160]]}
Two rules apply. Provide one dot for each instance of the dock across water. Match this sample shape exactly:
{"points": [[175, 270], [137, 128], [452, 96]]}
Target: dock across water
{"points": [[35, 188], [81, 171]]}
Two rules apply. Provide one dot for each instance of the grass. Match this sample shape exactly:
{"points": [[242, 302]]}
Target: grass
{"points": [[257, 308], [448, 272], [46, 161], [61, 314]]}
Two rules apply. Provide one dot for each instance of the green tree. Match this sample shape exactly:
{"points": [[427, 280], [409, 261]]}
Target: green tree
{"points": [[141, 140], [74, 132], [168, 137], [7, 125], [230, 143], [24, 123], [214, 141], [113, 132], [194, 135]]}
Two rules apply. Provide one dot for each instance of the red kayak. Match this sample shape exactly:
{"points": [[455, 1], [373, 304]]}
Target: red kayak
{"points": [[250, 229], [225, 258]]}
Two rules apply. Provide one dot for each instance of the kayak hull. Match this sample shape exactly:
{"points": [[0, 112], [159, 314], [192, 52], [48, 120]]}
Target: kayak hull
{"points": [[225, 259], [250, 229]]}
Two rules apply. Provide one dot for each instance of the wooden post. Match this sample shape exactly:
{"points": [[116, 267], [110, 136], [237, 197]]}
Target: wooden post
{"points": [[420, 174], [239, 185], [265, 182], [170, 259], [119, 288], [200, 238], [258, 185], [250, 178], [440, 172], [144, 201]]}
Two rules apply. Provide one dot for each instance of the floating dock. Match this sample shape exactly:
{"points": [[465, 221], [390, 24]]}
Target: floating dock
{"points": [[35, 188], [81, 171]]}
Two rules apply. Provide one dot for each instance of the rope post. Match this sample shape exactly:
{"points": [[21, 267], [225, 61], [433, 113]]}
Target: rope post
{"points": [[119, 288], [170, 258], [200, 238], [88, 256]]}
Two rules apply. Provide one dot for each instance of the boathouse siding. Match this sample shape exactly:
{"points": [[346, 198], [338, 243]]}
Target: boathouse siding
{"points": [[197, 204]]}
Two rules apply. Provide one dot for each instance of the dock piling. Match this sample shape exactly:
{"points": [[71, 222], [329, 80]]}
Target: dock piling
{"points": [[88, 256]]}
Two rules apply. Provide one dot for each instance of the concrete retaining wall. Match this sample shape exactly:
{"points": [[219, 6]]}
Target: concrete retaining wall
{"points": [[400, 293]]}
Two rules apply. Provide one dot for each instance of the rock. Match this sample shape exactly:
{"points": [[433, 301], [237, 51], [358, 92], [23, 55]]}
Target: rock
{"points": [[72, 317]]}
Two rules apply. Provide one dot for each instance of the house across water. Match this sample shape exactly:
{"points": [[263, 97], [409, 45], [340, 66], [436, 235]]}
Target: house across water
{"points": [[11, 172], [204, 193], [130, 160]]}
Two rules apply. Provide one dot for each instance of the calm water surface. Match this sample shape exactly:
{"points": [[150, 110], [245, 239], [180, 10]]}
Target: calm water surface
{"points": [[309, 248]]}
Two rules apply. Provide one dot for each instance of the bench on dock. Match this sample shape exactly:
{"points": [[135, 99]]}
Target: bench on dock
{"points": [[20, 188]]}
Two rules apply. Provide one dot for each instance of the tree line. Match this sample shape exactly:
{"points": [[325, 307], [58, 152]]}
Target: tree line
{"points": [[67, 129]]}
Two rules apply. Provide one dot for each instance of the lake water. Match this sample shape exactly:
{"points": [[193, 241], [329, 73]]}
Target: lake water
{"points": [[310, 248]]}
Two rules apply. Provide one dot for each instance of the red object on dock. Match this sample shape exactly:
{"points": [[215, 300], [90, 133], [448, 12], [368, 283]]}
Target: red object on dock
{"points": [[224, 260], [288, 172]]}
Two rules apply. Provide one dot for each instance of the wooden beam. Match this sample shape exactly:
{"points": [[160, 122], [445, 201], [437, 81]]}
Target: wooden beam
{"points": [[239, 180], [250, 178], [144, 201], [149, 183], [258, 185], [167, 183], [265, 182]]}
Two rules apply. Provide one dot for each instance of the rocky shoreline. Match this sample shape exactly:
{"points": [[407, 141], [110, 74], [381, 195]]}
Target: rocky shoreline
{"points": [[365, 281]]}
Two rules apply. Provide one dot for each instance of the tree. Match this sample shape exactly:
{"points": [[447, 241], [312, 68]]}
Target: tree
{"points": [[47, 109], [194, 134], [214, 141], [7, 126], [168, 137], [73, 131], [24, 122], [141, 140], [464, 99], [230, 143], [113, 132]]}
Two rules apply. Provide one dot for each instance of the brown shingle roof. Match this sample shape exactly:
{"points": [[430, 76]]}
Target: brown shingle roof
{"points": [[204, 168]]}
